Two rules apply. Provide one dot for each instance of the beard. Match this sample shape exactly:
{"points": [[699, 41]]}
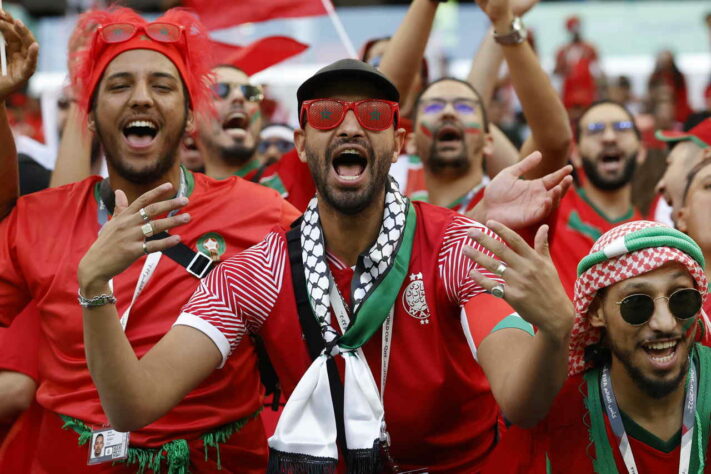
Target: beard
{"points": [[149, 173], [610, 184], [654, 388], [349, 202], [459, 163], [237, 153]]}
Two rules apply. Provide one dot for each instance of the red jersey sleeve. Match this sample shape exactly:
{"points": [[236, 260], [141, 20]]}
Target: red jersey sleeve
{"points": [[14, 293], [288, 215], [238, 295]]}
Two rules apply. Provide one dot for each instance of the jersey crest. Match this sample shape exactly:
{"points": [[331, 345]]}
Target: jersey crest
{"points": [[213, 245], [414, 301]]}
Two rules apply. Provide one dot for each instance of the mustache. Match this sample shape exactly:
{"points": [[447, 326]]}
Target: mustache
{"points": [[361, 142]]}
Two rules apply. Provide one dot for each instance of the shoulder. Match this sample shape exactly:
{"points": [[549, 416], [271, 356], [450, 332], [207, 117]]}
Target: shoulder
{"points": [[52, 198], [234, 185]]}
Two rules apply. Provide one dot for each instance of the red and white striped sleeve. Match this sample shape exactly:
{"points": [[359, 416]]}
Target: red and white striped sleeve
{"points": [[238, 295], [454, 266]]}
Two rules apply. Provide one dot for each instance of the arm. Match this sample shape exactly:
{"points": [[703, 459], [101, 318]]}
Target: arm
{"points": [[21, 49], [74, 155], [541, 105], [503, 155], [525, 373], [403, 56], [136, 392], [16, 394]]}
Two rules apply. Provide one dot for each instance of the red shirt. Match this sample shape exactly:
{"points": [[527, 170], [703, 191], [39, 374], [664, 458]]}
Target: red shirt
{"points": [[575, 227], [41, 244], [438, 404], [291, 178], [563, 440]]}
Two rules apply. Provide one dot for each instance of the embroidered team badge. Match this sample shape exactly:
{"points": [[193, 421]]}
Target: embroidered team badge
{"points": [[413, 299], [213, 245]]}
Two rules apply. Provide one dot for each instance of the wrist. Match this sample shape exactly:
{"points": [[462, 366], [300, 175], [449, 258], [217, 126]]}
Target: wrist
{"points": [[502, 23], [91, 285], [558, 331]]}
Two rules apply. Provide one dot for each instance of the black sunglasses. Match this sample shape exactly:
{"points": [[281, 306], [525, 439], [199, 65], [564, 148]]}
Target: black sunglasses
{"points": [[637, 309], [250, 92]]}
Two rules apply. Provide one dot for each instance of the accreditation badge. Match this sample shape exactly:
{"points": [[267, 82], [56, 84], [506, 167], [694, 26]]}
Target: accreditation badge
{"points": [[107, 445]]}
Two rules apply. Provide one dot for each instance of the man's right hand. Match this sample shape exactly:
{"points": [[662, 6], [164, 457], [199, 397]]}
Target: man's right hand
{"points": [[21, 50], [122, 240]]}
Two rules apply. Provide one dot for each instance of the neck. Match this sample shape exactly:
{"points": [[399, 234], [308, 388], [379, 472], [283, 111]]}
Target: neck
{"points": [[134, 190], [215, 166], [613, 204], [347, 236], [445, 188], [660, 416]]}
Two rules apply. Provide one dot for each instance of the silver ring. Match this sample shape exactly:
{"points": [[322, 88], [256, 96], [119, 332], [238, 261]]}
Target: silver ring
{"points": [[498, 291], [147, 229], [145, 248], [500, 269], [143, 214]]}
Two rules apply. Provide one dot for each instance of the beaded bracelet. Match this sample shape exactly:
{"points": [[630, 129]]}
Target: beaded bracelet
{"points": [[95, 301]]}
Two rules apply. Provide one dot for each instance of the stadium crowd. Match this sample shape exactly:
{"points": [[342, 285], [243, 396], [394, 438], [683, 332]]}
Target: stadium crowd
{"points": [[199, 284]]}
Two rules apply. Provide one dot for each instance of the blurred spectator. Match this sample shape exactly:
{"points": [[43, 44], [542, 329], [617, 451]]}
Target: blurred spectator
{"points": [[697, 117], [577, 65], [619, 90], [667, 88], [275, 140], [190, 155]]}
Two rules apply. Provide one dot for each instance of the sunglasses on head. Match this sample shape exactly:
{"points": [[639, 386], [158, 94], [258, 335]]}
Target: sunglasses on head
{"points": [[637, 309], [251, 93], [372, 114], [157, 31], [281, 145]]}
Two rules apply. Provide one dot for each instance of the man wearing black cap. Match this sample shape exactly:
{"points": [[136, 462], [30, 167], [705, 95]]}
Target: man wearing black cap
{"points": [[409, 343]]}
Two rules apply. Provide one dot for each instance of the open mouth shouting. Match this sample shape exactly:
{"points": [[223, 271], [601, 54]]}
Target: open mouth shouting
{"points": [[662, 353], [140, 134], [236, 125], [449, 137], [349, 163], [611, 161]]}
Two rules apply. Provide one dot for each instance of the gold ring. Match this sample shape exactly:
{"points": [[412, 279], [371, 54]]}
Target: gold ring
{"points": [[143, 214], [147, 229]]}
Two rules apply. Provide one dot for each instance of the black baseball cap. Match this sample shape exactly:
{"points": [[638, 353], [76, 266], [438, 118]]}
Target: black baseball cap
{"points": [[347, 69]]}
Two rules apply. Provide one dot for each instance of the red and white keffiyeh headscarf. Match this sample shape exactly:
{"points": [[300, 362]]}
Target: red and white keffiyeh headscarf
{"points": [[624, 252]]}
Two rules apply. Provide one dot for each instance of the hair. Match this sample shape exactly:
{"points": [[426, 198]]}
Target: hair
{"points": [[454, 79], [576, 125], [692, 174]]}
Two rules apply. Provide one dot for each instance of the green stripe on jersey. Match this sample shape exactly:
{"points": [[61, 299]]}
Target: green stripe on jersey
{"points": [[515, 321]]}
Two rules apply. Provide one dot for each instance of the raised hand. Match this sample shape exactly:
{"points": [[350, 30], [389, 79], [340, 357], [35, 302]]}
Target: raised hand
{"points": [[500, 12], [122, 240], [520, 203], [521, 7], [21, 50], [531, 283]]}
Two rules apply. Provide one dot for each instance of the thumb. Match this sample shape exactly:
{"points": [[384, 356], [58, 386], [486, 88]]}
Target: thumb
{"points": [[121, 202], [527, 164], [540, 242]]}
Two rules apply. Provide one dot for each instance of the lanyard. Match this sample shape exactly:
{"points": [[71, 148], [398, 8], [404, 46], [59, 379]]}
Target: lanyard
{"points": [[152, 259], [344, 321], [613, 414]]}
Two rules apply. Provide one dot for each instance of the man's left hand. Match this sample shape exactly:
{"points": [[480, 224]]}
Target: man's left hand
{"points": [[21, 50]]}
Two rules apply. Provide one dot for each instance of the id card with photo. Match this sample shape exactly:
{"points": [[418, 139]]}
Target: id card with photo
{"points": [[107, 445]]}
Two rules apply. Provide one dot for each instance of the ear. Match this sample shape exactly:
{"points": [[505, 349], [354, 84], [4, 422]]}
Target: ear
{"points": [[706, 153], [399, 139], [190, 122], [681, 219], [410, 147], [575, 157], [595, 313], [488, 148], [641, 155], [91, 123], [300, 144]]}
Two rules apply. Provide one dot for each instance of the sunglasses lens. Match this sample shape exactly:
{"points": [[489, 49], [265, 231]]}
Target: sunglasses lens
{"points": [[637, 309], [221, 89], [685, 304], [163, 32], [252, 93], [375, 115], [117, 33], [325, 114]]}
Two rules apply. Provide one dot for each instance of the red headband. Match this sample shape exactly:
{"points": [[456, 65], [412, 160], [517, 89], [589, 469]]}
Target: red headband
{"points": [[190, 54]]}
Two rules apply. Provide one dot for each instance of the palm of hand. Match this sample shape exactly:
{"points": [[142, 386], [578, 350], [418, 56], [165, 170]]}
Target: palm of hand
{"points": [[516, 203]]}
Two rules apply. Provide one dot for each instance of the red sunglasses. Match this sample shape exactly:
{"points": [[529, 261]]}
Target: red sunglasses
{"points": [[372, 114], [122, 32]]}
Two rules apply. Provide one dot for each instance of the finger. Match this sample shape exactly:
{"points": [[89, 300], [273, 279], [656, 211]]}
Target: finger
{"points": [[485, 263], [25, 34], [161, 225], [162, 207], [556, 177], [150, 197], [540, 241], [120, 202], [159, 245], [565, 185], [495, 246], [483, 281], [525, 165], [514, 241], [31, 64]]}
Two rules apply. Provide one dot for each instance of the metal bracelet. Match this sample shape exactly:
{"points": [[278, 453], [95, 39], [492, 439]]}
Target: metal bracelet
{"points": [[94, 301]]}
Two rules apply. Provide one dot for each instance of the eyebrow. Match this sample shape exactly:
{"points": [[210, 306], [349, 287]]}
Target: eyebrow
{"points": [[128, 75], [642, 285]]}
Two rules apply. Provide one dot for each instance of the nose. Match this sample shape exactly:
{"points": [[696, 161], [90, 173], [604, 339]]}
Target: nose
{"points": [[236, 96], [350, 127], [608, 134], [449, 111], [662, 320], [141, 95]]}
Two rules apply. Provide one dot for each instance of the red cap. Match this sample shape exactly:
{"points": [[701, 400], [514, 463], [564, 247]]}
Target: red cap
{"points": [[572, 22], [700, 134], [189, 54]]}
